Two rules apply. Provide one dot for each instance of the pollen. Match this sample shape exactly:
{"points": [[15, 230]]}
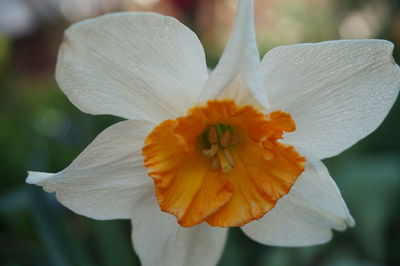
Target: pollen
{"points": [[221, 163]]}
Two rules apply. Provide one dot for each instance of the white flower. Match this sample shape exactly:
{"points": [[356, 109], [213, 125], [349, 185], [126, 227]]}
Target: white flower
{"points": [[222, 163]]}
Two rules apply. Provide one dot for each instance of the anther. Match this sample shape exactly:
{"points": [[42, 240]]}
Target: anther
{"points": [[223, 161], [226, 139], [228, 156], [212, 135], [212, 151]]}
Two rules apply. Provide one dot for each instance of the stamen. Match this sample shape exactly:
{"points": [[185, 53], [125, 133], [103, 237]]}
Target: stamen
{"points": [[225, 165], [219, 137], [228, 156], [212, 151], [212, 135], [226, 139]]}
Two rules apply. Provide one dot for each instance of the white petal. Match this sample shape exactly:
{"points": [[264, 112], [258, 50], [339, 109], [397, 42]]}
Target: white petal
{"points": [[307, 214], [159, 240], [106, 179], [338, 92], [240, 60], [134, 65]]}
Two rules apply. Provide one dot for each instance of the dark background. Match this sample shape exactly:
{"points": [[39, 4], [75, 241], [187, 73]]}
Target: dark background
{"points": [[41, 130]]}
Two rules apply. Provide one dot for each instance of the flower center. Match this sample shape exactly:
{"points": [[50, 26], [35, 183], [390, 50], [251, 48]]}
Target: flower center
{"points": [[219, 139], [221, 163]]}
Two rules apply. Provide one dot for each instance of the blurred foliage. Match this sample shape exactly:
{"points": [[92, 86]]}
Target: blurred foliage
{"points": [[41, 130]]}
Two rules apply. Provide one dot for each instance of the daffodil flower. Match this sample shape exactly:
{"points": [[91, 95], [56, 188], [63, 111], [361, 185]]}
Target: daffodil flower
{"points": [[199, 153]]}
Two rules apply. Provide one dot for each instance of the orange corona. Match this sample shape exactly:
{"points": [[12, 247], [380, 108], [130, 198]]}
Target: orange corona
{"points": [[221, 163]]}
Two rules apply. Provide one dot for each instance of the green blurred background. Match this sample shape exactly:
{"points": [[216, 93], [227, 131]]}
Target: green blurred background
{"points": [[41, 130]]}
